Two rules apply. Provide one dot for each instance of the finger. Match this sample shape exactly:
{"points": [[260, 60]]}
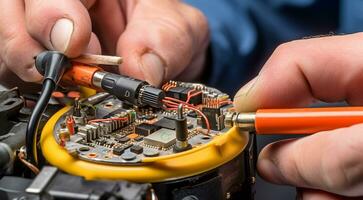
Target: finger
{"points": [[9, 79], [88, 3], [309, 194], [328, 69], [94, 46], [108, 23], [329, 161], [159, 41], [17, 47], [59, 25], [195, 66]]}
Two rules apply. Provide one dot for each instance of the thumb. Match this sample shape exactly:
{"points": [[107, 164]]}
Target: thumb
{"points": [[161, 40], [329, 161], [59, 25]]}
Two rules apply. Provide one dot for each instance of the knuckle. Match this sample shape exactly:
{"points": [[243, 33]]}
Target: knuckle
{"points": [[343, 171], [178, 36], [10, 48], [13, 57], [200, 19], [284, 48], [199, 25]]}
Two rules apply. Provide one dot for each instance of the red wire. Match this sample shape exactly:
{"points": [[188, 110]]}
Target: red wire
{"points": [[192, 95], [178, 101], [226, 101], [109, 119], [173, 106]]}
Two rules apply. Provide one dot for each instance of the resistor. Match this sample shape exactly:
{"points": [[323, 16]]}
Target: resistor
{"points": [[70, 124], [63, 137]]}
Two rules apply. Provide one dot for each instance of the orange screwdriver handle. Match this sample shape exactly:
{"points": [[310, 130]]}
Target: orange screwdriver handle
{"points": [[306, 120], [80, 74]]}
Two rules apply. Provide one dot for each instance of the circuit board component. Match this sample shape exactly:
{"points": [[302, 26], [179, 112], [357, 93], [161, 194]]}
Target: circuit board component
{"points": [[108, 130], [162, 138]]}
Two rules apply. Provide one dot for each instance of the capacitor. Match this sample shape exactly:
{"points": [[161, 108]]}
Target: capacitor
{"points": [[181, 129], [77, 108], [70, 124], [63, 136]]}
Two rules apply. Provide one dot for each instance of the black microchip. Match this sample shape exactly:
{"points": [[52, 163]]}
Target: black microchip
{"points": [[214, 117], [146, 129], [166, 123], [138, 138], [177, 93], [181, 93], [123, 139], [196, 99], [118, 150], [137, 149], [192, 114]]}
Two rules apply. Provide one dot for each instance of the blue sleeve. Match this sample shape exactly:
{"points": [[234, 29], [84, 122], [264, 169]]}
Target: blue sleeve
{"points": [[351, 17], [233, 39], [245, 32]]}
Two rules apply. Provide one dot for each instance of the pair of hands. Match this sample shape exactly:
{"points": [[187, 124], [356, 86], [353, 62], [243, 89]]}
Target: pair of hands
{"points": [[159, 40], [168, 39]]}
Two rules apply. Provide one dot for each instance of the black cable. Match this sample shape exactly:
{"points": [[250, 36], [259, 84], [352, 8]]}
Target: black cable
{"points": [[52, 65], [33, 124]]}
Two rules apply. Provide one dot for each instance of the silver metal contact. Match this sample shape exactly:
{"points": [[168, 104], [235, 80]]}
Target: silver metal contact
{"points": [[245, 121], [181, 144], [97, 78]]}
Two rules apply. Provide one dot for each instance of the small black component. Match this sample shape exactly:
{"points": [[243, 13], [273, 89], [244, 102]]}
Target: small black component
{"points": [[138, 138], [177, 93], [102, 142], [118, 150], [192, 114], [127, 146], [146, 129], [123, 139], [76, 108], [181, 93], [123, 87], [166, 123], [197, 99], [110, 143], [152, 96], [137, 149], [181, 132], [215, 118], [190, 126], [181, 127], [132, 90]]}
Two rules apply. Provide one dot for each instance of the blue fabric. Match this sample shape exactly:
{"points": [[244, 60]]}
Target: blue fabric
{"points": [[245, 32]]}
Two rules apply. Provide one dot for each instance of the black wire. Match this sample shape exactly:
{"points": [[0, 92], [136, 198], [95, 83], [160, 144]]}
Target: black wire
{"points": [[33, 124]]}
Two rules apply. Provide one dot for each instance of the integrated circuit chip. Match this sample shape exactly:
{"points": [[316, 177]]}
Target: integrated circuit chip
{"points": [[181, 93], [162, 138], [166, 123], [146, 129]]}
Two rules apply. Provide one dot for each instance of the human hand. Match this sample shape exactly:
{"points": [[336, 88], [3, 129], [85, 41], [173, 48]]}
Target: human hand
{"points": [[329, 164], [158, 41]]}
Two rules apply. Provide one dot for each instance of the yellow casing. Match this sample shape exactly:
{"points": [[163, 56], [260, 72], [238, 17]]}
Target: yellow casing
{"points": [[200, 159]]}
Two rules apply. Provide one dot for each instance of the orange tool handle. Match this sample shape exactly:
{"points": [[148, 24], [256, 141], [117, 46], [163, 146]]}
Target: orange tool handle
{"points": [[306, 120], [80, 74]]}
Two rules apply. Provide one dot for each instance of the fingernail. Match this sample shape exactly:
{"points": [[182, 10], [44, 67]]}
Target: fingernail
{"points": [[242, 99], [153, 68], [267, 167], [61, 34]]}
